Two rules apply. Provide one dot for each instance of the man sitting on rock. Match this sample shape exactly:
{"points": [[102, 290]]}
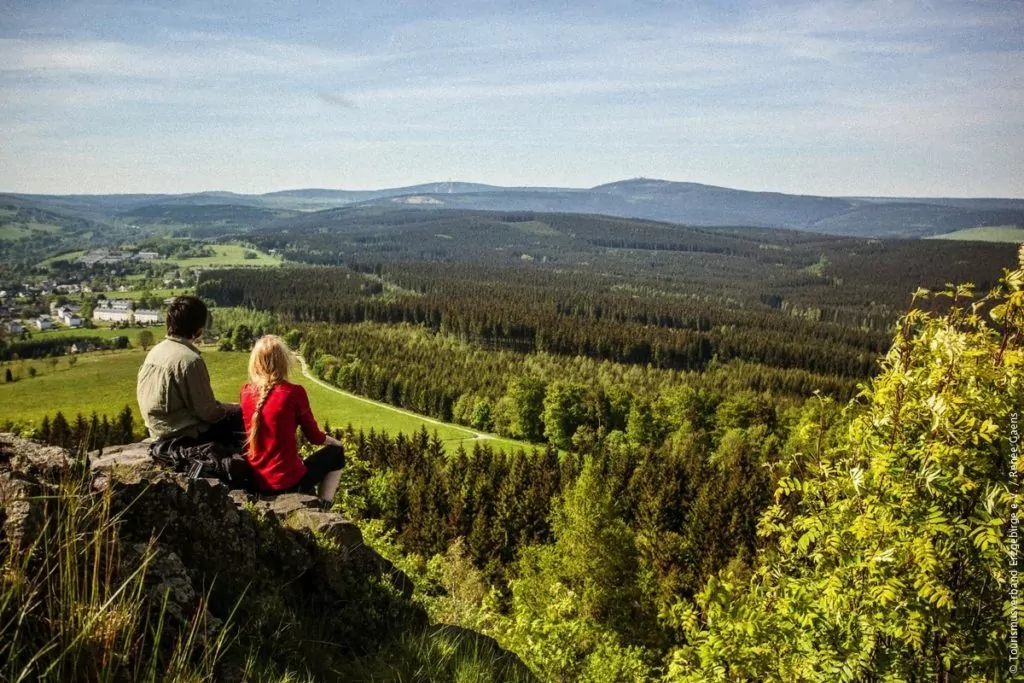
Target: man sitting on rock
{"points": [[175, 397]]}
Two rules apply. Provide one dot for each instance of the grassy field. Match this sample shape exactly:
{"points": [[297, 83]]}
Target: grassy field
{"points": [[66, 256], [13, 232], [1001, 233], [11, 229], [227, 255], [137, 293], [105, 382], [101, 332]]}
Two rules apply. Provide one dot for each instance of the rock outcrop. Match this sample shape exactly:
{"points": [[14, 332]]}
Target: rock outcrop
{"points": [[274, 564], [234, 535]]}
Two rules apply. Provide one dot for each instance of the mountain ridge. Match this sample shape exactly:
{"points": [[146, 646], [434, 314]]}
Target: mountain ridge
{"points": [[688, 203]]}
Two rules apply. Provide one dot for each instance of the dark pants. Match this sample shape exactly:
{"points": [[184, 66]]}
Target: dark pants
{"points": [[327, 459], [230, 431], [215, 453]]}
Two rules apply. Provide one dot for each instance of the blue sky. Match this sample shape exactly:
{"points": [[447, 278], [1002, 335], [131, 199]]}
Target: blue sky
{"points": [[841, 98]]}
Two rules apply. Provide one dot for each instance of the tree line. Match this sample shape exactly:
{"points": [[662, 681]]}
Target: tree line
{"points": [[558, 314], [853, 281], [84, 434], [536, 397]]}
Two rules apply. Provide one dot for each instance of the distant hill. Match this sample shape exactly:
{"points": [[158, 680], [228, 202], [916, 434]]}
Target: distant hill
{"points": [[30, 230], [211, 216], [644, 198], [707, 205]]}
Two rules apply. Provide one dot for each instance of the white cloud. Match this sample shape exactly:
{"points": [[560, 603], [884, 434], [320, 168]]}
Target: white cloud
{"points": [[614, 93], [190, 56]]}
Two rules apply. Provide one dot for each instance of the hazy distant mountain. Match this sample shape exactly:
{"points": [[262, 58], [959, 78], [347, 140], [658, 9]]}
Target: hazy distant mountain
{"points": [[674, 202], [360, 195], [696, 204]]}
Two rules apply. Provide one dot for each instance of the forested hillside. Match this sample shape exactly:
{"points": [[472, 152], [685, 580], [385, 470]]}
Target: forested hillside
{"points": [[756, 454], [695, 513], [694, 530], [832, 279]]}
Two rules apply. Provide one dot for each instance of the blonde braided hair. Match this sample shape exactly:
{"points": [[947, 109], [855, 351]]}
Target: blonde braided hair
{"points": [[269, 364]]}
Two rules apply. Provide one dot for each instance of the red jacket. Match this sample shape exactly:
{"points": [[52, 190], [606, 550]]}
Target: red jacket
{"points": [[275, 459]]}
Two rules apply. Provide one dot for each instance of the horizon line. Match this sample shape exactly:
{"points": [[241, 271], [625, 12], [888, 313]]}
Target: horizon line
{"points": [[500, 187]]}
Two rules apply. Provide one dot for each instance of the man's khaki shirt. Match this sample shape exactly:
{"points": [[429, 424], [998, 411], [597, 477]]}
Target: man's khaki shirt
{"points": [[174, 392]]}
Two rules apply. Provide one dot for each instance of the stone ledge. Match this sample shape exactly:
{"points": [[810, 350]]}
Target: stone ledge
{"points": [[208, 547]]}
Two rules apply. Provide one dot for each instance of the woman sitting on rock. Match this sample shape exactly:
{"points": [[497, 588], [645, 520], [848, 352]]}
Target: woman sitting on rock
{"points": [[272, 408]]}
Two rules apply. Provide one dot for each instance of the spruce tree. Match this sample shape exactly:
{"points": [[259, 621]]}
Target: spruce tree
{"points": [[126, 425], [60, 431], [44, 430]]}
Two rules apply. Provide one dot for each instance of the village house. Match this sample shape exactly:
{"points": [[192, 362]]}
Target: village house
{"points": [[64, 308], [147, 255], [147, 316], [43, 322], [15, 327], [70, 319], [112, 315], [118, 304]]}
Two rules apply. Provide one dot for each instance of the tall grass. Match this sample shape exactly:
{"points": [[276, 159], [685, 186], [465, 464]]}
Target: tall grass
{"points": [[80, 603], [428, 657], [74, 608]]}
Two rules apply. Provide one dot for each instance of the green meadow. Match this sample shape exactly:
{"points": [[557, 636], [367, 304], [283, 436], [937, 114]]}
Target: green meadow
{"points": [[104, 382], [66, 256], [1000, 233], [12, 229], [227, 255], [101, 332], [13, 232], [139, 293]]}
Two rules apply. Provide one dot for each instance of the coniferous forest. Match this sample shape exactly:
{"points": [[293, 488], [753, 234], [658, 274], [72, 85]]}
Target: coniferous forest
{"points": [[759, 455], [751, 454], [651, 342]]}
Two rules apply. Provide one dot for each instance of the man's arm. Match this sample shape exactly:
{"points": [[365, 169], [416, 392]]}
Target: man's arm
{"points": [[198, 394]]}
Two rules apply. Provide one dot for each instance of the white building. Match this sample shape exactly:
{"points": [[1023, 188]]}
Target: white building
{"points": [[70, 319], [118, 304], [15, 327], [146, 316], [59, 311], [43, 322], [147, 255], [112, 315]]}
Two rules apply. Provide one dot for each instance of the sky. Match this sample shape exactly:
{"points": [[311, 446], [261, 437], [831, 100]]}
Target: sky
{"points": [[891, 98]]}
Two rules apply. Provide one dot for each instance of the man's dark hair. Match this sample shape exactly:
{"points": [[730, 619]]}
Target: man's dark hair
{"points": [[186, 315]]}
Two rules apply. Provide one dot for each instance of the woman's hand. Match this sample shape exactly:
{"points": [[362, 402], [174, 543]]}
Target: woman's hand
{"points": [[331, 441]]}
